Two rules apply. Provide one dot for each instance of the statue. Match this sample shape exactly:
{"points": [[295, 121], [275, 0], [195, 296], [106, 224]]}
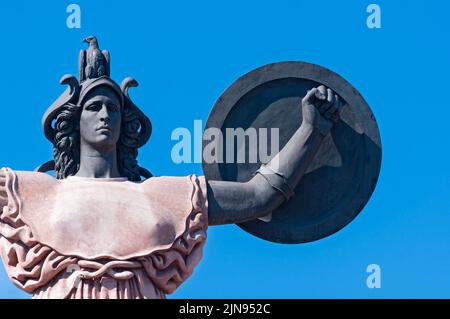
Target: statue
{"points": [[105, 227]]}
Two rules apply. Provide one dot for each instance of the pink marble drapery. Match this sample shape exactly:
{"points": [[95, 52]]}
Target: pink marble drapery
{"points": [[46, 273]]}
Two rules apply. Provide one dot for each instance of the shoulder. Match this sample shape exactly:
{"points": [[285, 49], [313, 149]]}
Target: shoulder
{"points": [[35, 180], [179, 191], [6, 172], [177, 184], [25, 183]]}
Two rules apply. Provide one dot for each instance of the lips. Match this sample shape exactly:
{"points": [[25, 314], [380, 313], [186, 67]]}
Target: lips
{"points": [[103, 128]]}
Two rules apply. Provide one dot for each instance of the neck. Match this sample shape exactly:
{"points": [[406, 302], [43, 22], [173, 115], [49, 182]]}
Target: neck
{"points": [[98, 163]]}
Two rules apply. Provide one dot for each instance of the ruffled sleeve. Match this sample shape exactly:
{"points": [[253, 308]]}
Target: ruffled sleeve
{"points": [[29, 264], [169, 268]]}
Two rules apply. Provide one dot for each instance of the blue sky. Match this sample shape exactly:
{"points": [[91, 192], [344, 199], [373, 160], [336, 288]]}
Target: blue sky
{"points": [[185, 53]]}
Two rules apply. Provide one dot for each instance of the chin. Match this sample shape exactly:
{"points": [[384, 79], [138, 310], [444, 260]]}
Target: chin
{"points": [[104, 140]]}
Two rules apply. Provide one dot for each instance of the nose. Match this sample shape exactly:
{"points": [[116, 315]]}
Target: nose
{"points": [[104, 114]]}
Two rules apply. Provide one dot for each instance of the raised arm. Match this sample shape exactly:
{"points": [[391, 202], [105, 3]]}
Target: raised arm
{"points": [[234, 202]]}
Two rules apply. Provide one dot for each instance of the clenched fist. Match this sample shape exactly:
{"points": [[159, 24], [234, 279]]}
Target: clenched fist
{"points": [[320, 108]]}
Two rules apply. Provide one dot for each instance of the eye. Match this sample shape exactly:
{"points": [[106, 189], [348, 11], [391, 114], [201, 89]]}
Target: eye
{"points": [[93, 107], [113, 107]]}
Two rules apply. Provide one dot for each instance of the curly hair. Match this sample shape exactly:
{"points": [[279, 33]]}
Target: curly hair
{"points": [[66, 150]]}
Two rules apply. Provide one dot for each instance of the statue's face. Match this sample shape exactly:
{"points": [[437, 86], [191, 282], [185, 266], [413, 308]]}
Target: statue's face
{"points": [[100, 119]]}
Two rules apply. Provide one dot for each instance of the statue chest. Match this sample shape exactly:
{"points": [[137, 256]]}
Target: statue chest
{"points": [[105, 219]]}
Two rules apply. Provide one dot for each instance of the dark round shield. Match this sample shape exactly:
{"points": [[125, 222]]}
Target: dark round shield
{"points": [[342, 176]]}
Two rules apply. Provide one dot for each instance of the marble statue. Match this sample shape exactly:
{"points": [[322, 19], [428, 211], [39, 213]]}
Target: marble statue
{"points": [[103, 226]]}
